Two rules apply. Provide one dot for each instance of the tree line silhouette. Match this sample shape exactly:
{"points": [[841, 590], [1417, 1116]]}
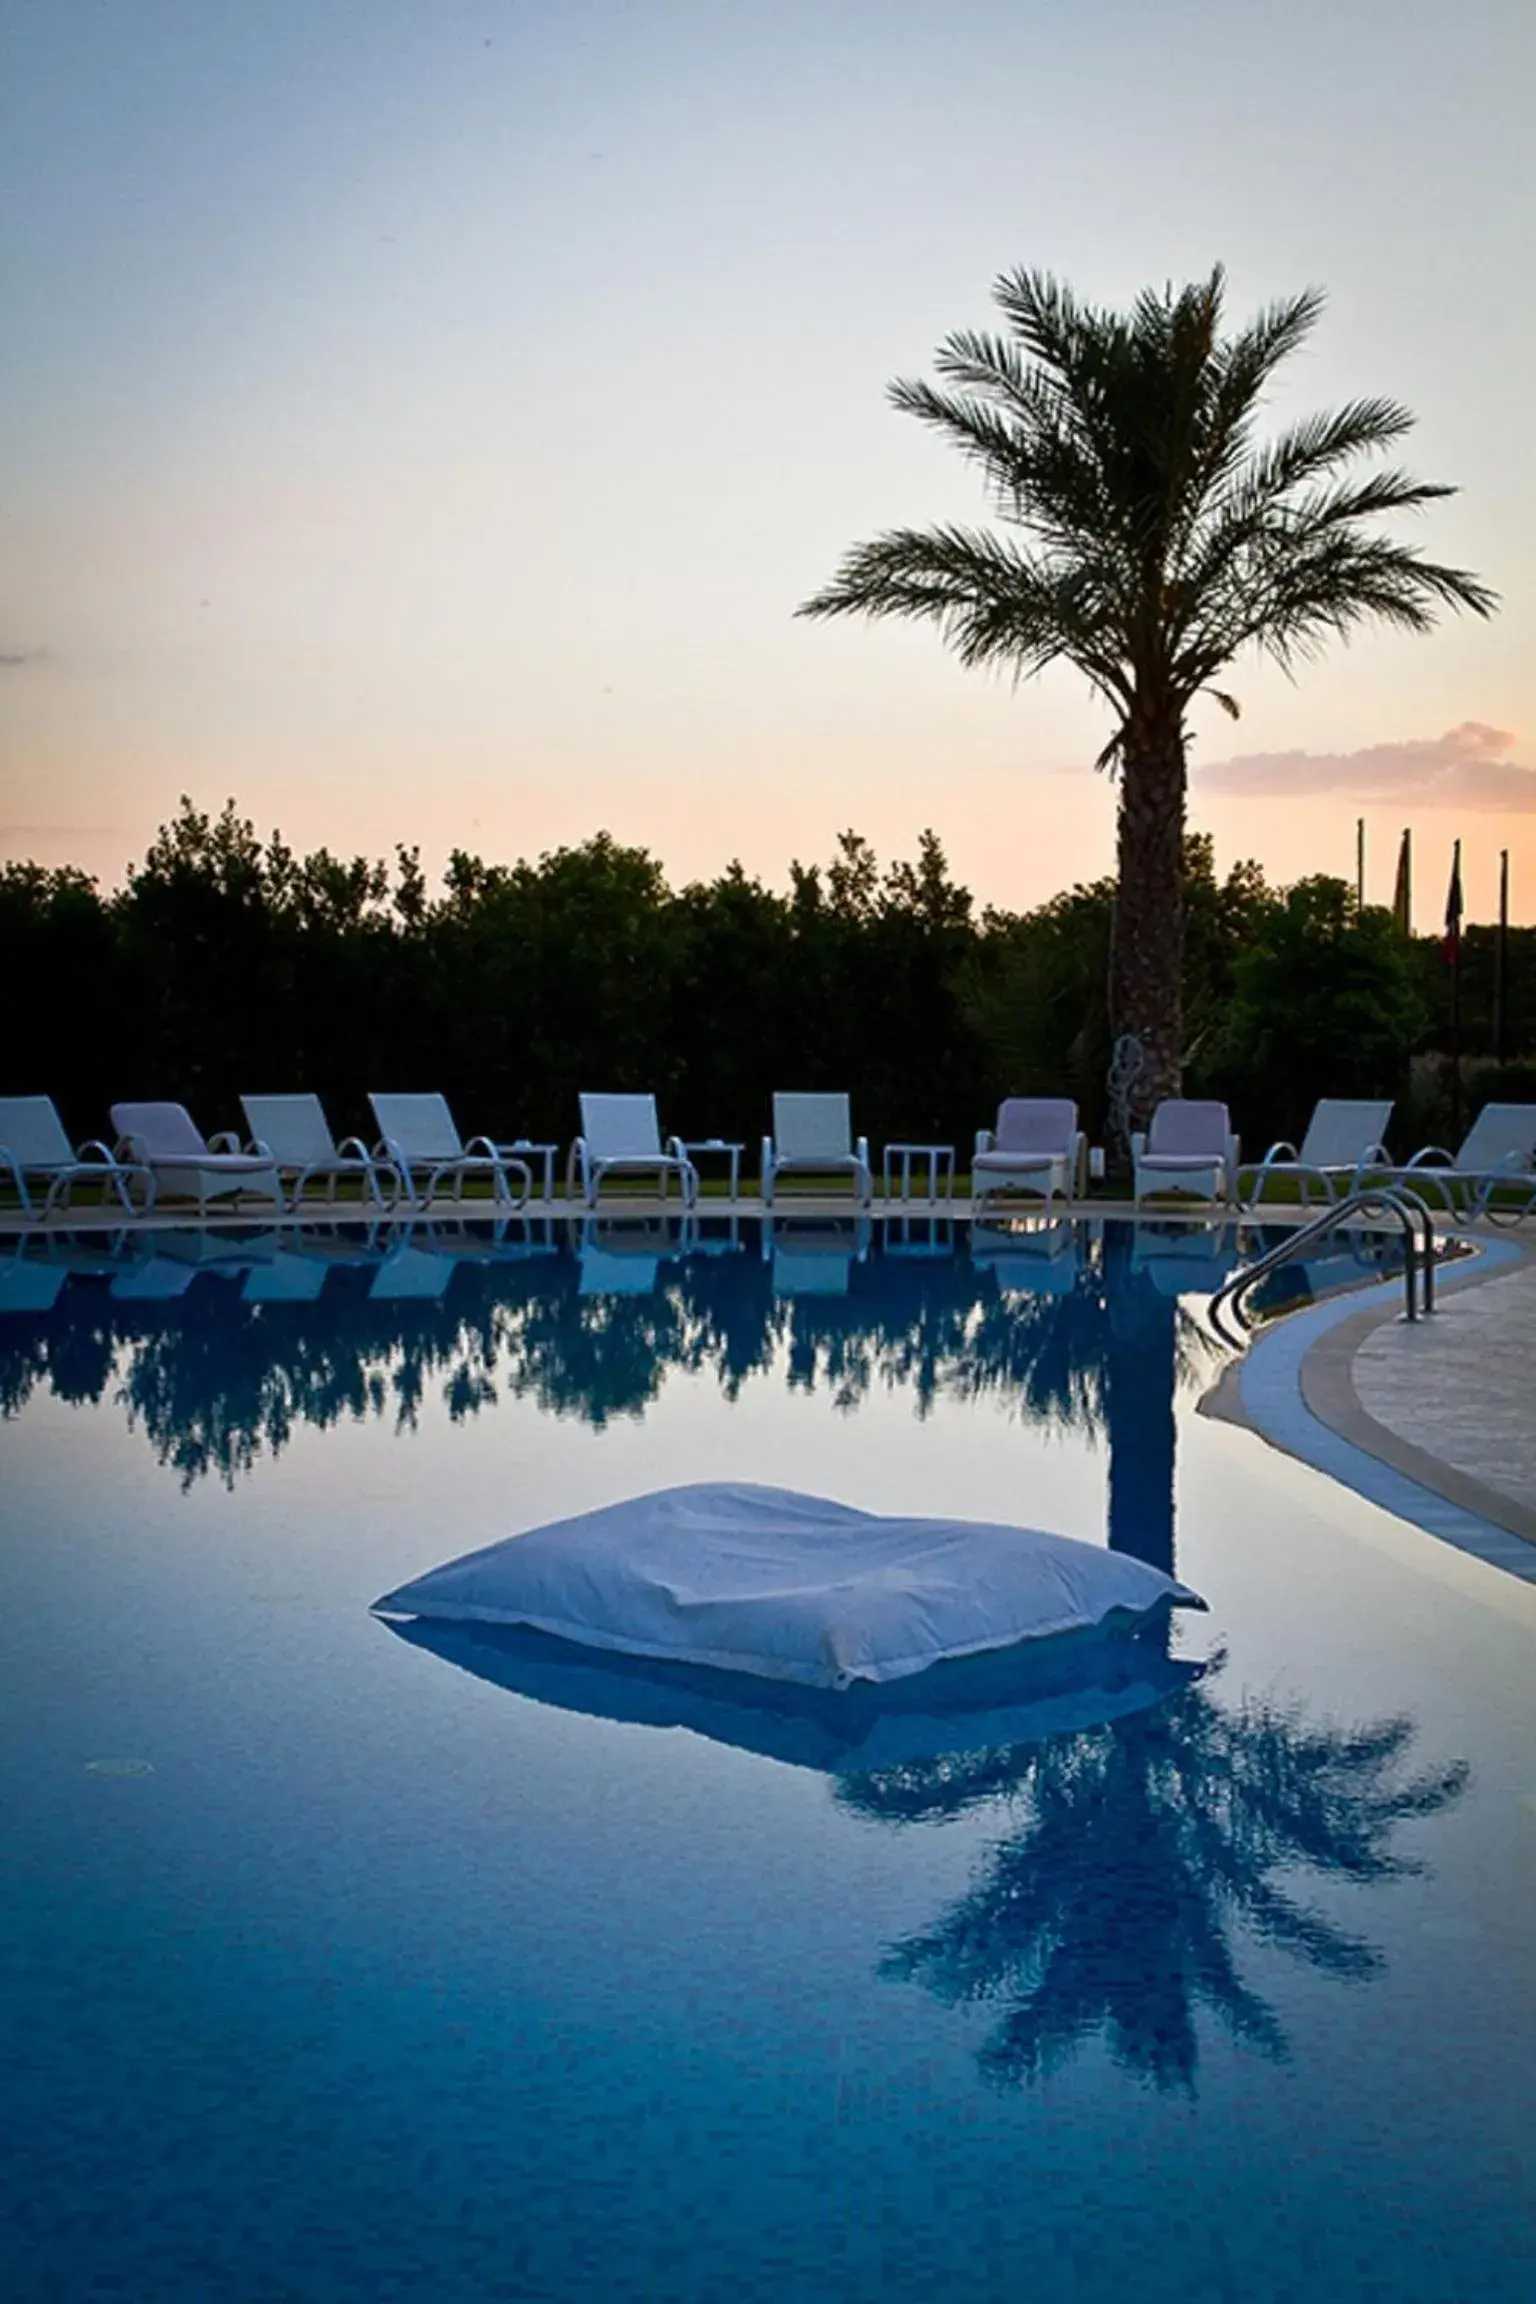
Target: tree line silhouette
{"points": [[228, 963]]}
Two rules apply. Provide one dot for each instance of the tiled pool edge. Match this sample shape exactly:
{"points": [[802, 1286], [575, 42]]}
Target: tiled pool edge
{"points": [[1281, 1399]]}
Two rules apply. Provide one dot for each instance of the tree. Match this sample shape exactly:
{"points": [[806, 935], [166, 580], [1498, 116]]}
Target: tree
{"points": [[1159, 540]]}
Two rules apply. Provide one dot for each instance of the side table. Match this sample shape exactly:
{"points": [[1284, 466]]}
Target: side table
{"points": [[726, 1150], [523, 1149], [938, 1159]]}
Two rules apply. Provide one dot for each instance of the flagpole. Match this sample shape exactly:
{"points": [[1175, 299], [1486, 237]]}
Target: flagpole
{"points": [[1359, 863], [1453, 925], [1501, 965]]}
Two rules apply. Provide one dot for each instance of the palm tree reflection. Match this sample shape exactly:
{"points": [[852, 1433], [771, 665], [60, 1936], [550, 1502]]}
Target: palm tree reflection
{"points": [[1144, 1850]]}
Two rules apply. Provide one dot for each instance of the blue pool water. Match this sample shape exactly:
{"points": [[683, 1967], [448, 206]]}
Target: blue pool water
{"points": [[337, 1966]]}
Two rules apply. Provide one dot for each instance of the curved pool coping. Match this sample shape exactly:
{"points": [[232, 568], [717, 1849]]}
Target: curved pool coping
{"points": [[1295, 1388]]}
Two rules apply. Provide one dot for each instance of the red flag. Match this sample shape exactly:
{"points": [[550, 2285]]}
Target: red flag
{"points": [[1453, 910]]}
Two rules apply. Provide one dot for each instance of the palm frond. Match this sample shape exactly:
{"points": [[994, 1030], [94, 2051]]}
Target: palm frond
{"points": [[1162, 537]]}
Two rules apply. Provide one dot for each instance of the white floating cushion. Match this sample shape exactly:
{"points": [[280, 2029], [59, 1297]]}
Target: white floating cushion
{"points": [[791, 1587]]}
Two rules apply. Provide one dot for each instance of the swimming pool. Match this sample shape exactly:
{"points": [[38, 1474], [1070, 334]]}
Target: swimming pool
{"points": [[337, 1967]]}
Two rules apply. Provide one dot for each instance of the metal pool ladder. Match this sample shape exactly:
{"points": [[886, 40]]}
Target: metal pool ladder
{"points": [[1418, 1227]]}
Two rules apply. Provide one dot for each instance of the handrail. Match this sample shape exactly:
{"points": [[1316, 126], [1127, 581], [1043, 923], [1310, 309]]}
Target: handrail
{"points": [[1418, 1238]]}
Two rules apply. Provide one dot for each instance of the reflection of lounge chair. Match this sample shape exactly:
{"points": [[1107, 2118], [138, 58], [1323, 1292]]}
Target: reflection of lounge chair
{"points": [[156, 1281], [28, 1284], [165, 1139], [410, 1274], [1037, 1146], [1343, 1143], [1190, 1148], [1007, 1698], [619, 1259], [811, 1259], [35, 1150], [621, 1135], [418, 1138], [813, 1136], [229, 1253], [287, 1279], [1034, 1259], [293, 1131], [1183, 1259], [1497, 1156]]}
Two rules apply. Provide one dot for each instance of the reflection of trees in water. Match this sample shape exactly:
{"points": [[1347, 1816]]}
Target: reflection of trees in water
{"points": [[1141, 1852], [215, 1381]]}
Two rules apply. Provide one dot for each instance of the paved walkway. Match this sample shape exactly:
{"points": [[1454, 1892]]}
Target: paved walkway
{"points": [[1462, 1387], [1437, 1421]]}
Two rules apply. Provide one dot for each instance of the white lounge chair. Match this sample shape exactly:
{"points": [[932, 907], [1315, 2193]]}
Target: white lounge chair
{"points": [[34, 1149], [1498, 1151], [1037, 1146], [1189, 1148], [1342, 1145], [294, 1132], [417, 1137], [165, 1139], [813, 1135], [622, 1134]]}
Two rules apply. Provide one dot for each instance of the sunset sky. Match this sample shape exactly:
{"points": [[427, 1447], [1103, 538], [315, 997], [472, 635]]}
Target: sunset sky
{"points": [[422, 417]]}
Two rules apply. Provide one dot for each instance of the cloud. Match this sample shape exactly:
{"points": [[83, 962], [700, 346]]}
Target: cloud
{"points": [[1467, 767], [11, 659]]}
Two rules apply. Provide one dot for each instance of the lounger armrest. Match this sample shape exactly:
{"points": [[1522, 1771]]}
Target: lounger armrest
{"points": [[482, 1148], [227, 1141], [260, 1149], [1138, 1144], [1077, 1157], [861, 1151], [765, 1172], [1280, 1151], [1432, 1153], [353, 1148], [985, 1138], [94, 1149]]}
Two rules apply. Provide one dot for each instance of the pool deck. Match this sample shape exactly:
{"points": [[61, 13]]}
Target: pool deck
{"points": [[1433, 1420]]}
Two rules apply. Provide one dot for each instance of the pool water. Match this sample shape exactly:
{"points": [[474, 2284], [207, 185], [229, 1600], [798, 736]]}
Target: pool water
{"points": [[342, 1964]]}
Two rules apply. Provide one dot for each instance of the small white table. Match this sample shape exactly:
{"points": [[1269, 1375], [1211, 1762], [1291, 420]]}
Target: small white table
{"points": [[523, 1150], [726, 1150], [938, 1159]]}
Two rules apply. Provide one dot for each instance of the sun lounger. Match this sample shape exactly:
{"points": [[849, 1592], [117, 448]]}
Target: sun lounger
{"points": [[1036, 1146], [34, 1150], [294, 1132], [1342, 1145], [622, 1135], [1497, 1157], [165, 1139], [418, 1139], [813, 1135], [1189, 1148]]}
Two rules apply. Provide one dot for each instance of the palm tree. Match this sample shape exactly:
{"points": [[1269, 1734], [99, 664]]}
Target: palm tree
{"points": [[1159, 539]]}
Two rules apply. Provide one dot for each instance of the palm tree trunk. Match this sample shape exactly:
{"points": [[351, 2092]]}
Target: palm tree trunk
{"points": [[1146, 969]]}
